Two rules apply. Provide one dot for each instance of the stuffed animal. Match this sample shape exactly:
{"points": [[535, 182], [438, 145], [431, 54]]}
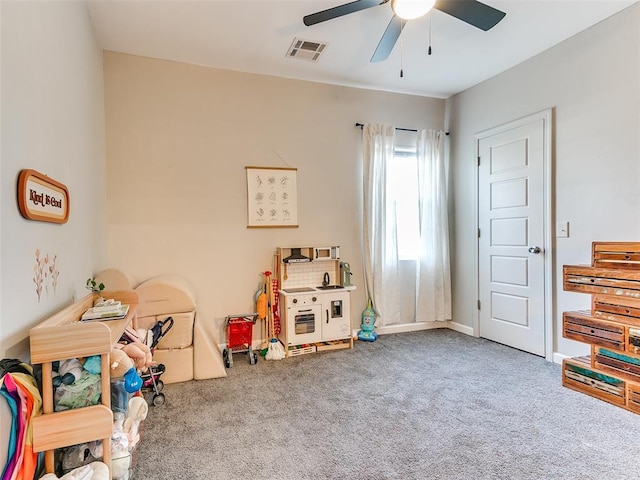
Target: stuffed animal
{"points": [[122, 367], [139, 352]]}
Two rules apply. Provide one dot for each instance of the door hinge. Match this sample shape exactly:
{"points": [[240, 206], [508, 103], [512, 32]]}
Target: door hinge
{"points": [[478, 233], [478, 160], [478, 304]]}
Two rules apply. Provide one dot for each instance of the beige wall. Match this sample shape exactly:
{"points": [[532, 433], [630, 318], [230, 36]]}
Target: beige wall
{"points": [[178, 139], [53, 122], [592, 81]]}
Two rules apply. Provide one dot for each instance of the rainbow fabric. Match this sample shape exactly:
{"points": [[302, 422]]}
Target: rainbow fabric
{"points": [[19, 389]]}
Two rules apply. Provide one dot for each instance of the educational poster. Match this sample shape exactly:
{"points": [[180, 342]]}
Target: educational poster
{"points": [[272, 199]]}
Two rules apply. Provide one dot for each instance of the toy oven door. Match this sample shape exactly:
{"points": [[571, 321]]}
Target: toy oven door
{"points": [[304, 324]]}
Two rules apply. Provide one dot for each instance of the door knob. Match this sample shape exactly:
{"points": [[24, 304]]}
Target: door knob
{"points": [[535, 250]]}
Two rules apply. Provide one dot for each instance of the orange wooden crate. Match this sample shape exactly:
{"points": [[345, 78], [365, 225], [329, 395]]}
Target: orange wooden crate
{"points": [[581, 326], [625, 310], [633, 397], [594, 280], [622, 365], [578, 375], [616, 255]]}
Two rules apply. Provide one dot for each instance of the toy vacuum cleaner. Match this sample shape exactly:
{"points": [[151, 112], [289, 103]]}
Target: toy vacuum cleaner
{"points": [[367, 328]]}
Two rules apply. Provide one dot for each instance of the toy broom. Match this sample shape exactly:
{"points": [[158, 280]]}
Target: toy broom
{"points": [[275, 350], [261, 310]]}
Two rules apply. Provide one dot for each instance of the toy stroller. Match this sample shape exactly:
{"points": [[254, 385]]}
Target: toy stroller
{"points": [[151, 382], [151, 378], [239, 337]]}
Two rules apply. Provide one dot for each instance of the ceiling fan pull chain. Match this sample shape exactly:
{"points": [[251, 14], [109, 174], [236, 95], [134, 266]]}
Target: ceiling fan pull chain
{"points": [[401, 52], [429, 51]]}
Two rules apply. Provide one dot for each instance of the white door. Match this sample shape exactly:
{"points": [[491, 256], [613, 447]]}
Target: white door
{"points": [[511, 220]]}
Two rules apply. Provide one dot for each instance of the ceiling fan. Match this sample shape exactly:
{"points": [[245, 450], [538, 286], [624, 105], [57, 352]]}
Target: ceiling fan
{"points": [[472, 12]]}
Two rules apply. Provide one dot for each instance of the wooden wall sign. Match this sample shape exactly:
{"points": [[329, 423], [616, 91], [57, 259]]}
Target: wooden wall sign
{"points": [[41, 198]]}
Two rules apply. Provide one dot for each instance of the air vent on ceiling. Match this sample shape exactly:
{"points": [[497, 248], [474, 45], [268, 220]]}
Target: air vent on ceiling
{"points": [[306, 49]]}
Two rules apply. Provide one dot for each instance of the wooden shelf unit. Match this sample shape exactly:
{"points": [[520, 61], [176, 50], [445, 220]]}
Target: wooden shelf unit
{"points": [[63, 336], [612, 326]]}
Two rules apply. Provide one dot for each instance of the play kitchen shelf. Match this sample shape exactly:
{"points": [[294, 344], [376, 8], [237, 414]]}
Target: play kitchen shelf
{"points": [[308, 254], [294, 269], [63, 336], [612, 326], [315, 309]]}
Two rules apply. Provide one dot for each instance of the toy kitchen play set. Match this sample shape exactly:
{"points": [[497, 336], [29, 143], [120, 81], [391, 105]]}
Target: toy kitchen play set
{"points": [[315, 299]]}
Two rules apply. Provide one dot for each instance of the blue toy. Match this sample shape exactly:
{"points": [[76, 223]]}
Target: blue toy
{"points": [[122, 366], [367, 328], [92, 364], [132, 381]]}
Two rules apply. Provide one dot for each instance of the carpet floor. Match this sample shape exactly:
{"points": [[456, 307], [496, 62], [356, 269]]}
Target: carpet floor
{"points": [[434, 404]]}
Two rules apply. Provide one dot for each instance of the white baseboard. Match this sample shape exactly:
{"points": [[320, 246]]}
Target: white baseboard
{"points": [[410, 327], [418, 326], [458, 327], [558, 357]]}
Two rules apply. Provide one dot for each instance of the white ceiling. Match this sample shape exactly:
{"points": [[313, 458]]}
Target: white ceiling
{"points": [[254, 36]]}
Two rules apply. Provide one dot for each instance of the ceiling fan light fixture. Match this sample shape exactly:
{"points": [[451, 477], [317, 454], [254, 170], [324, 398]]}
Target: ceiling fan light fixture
{"points": [[410, 9]]}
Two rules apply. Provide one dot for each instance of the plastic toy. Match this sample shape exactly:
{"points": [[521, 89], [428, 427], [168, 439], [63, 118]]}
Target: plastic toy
{"points": [[367, 327], [151, 377], [239, 337]]}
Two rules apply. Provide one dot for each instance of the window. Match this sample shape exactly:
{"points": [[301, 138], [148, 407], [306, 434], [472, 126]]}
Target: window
{"points": [[402, 190]]}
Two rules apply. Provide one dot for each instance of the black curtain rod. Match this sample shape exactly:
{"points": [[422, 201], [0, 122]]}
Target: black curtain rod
{"points": [[398, 128]]}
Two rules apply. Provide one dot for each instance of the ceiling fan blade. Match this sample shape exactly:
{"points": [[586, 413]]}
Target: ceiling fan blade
{"points": [[340, 10], [389, 39], [472, 12]]}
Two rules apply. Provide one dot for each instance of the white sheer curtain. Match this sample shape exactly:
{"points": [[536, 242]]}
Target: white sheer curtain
{"points": [[380, 238], [433, 273]]}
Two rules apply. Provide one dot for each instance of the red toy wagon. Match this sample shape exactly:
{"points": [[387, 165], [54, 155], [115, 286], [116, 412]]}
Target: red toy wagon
{"points": [[239, 337]]}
